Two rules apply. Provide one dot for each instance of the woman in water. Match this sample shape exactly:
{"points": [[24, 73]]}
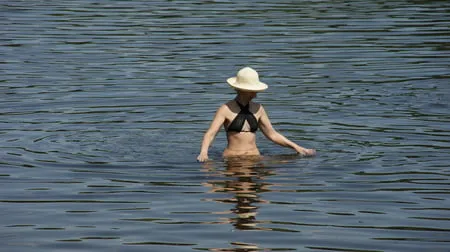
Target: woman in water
{"points": [[241, 118]]}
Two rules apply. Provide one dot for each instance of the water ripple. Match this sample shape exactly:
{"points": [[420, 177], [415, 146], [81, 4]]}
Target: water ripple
{"points": [[103, 105]]}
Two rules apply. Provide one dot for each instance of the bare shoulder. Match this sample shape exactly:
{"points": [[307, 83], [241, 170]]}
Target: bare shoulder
{"points": [[225, 108], [229, 103], [230, 107], [256, 107]]}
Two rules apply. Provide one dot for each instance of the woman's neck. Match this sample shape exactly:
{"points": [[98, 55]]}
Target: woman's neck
{"points": [[242, 100]]}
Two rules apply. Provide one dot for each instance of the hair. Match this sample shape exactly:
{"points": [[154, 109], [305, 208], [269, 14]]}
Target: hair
{"points": [[243, 91]]}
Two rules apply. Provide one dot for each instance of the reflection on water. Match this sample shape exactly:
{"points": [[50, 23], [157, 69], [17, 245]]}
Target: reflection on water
{"points": [[239, 185], [103, 105], [244, 180]]}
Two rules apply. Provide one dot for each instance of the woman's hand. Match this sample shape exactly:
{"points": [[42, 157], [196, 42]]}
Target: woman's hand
{"points": [[306, 152], [202, 157]]}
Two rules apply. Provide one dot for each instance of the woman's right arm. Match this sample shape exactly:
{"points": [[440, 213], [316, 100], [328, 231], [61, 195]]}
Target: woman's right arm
{"points": [[211, 133]]}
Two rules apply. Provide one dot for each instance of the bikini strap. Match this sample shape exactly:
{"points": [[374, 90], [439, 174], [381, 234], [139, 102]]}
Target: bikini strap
{"points": [[242, 107]]}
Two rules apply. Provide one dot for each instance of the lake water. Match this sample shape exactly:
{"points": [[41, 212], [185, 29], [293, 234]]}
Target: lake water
{"points": [[103, 105]]}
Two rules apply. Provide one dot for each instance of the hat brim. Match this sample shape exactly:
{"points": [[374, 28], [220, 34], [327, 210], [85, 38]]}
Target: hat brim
{"points": [[253, 87]]}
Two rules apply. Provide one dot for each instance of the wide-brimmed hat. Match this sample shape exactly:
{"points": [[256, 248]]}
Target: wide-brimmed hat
{"points": [[247, 79]]}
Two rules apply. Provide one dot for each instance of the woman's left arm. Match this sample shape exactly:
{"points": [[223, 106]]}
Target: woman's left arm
{"points": [[266, 127]]}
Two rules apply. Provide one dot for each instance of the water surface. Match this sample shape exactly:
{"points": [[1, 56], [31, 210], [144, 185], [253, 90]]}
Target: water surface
{"points": [[103, 105]]}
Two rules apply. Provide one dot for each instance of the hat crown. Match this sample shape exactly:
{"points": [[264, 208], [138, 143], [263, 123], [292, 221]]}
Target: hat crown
{"points": [[247, 79], [247, 75]]}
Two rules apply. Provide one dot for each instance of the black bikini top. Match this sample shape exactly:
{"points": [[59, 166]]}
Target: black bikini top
{"points": [[244, 115]]}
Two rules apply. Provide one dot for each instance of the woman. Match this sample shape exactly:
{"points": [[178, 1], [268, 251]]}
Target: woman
{"points": [[241, 118]]}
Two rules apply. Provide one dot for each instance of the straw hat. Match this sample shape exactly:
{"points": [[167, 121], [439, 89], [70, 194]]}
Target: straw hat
{"points": [[247, 79]]}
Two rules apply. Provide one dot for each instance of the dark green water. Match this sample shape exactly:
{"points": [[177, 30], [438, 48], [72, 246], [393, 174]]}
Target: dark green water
{"points": [[103, 105]]}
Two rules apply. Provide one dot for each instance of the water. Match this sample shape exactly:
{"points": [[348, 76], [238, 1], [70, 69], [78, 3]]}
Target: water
{"points": [[103, 105]]}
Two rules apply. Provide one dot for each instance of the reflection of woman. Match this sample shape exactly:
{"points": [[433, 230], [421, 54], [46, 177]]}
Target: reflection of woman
{"points": [[243, 177], [241, 118], [246, 186]]}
